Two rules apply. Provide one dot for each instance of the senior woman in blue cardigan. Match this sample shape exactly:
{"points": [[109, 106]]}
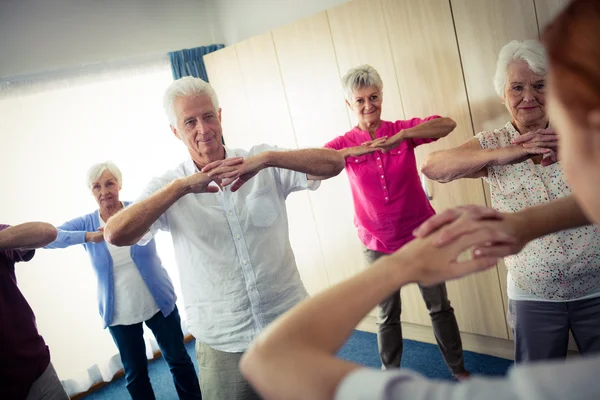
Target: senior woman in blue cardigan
{"points": [[133, 288]]}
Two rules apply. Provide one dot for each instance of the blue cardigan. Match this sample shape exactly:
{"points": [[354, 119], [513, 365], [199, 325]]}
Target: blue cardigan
{"points": [[145, 258]]}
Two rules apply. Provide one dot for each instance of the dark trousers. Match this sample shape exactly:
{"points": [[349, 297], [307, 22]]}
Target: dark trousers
{"points": [[541, 328], [445, 327], [167, 331]]}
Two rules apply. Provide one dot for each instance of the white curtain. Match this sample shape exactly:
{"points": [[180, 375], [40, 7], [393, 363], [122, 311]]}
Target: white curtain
{"points": [[52, 128]]}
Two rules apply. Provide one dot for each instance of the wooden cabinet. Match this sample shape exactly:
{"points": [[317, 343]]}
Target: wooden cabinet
{"points": [[429, 76], [360, 37], [435, 57], [246, 78], [309, 72]]}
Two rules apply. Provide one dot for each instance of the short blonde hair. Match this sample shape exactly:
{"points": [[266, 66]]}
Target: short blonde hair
{"points": [[360, 77], [530, 51], [96, 170]]}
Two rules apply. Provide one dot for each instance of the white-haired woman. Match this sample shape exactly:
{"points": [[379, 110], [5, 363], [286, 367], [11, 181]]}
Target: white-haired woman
{"points": [[390, 203], [133, 288], [554, 283]]}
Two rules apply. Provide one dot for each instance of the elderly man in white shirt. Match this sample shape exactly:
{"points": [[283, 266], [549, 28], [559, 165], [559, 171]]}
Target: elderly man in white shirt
{"points": [[230, 232]]}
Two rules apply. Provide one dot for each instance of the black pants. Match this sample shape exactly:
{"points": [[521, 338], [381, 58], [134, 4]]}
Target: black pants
{"points": [[167, 331]]}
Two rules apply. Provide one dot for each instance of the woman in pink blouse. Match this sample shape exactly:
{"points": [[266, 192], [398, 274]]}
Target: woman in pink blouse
{"points": [[554, 282], [390, 203]]}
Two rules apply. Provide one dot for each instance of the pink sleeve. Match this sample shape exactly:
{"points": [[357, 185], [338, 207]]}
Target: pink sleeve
{"points": [[411, 123], [336, 144]]}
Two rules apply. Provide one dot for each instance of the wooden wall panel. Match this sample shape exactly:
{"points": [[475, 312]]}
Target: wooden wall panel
{"points": [[430, 79], [483, 28], [546, 10], [360, 37], [225, 76], [264, 118], [312, 82]]}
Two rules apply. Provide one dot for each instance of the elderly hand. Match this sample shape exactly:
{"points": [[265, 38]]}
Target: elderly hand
{"points": [[95, 237], [387, 144], [238, 172], [432, 264], [199, 182], [365, 148], [452, 224], [542, 141]]}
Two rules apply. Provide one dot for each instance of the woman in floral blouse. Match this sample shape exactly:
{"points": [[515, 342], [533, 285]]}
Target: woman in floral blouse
{"points": [[554, 282]]}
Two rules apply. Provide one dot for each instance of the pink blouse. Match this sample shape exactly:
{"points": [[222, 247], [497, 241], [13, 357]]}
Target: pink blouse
{"points": [[389, 201]]}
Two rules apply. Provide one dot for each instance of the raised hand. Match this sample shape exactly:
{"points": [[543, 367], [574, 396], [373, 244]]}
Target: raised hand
{"points": [[453, 224], [365, 148], [542, 141], [432, 263], [469, 212], [387, 144], [236, 172], [95, 237]]}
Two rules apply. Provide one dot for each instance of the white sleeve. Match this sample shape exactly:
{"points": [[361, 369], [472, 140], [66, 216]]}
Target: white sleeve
{"points": [[289, 180], [573, 379], [161, 223]]}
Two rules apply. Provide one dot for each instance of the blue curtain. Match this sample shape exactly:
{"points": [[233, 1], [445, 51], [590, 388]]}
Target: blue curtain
{"points": [[189, 62]]}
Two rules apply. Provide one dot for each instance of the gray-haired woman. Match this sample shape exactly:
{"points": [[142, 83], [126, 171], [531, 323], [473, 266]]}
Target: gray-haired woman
{"points": [[133, 288], [389, 203], [554, 282]]}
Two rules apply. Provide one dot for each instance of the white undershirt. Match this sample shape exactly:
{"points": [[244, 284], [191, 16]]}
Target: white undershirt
{"points": [[133, 302]]}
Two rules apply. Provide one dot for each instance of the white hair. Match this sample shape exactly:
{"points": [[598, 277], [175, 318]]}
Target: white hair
{"points": [[186, 87], [530, 51], [97, 170], [360, 77]]}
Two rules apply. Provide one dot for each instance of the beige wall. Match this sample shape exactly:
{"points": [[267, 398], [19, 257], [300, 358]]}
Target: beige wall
{"points": [[435, 57]]}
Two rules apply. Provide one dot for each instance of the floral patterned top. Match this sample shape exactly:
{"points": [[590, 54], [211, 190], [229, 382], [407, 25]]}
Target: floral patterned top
{"points": [[559, 266]]}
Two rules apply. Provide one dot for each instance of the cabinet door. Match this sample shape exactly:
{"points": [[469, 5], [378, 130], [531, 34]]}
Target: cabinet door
{"points": [[225, 77], [430, 79], [546, 10], [317, 107], [483, 28], [262, 116], [360, 37]]}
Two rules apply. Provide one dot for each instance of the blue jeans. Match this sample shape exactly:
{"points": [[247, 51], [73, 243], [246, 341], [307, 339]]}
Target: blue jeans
{"points": [[167, 331]]}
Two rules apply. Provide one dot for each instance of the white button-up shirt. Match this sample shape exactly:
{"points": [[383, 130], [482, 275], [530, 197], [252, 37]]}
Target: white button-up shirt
{"points": [[236, 265]]}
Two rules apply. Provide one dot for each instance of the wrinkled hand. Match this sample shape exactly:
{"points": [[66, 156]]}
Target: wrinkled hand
{"points": [[550, 158], [387, 144], [542, 141], [365, 148], [95, 237], [238, 171], [432, 264], [452, 224]]}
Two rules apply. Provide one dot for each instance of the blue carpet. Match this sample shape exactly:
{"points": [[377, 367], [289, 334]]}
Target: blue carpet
{"points": [[361, 348]]}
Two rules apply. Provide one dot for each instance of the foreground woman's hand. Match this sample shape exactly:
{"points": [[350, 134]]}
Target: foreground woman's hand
{"points": [[452, 224]]}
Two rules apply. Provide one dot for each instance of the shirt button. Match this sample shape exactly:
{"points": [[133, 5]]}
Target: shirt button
{"points": [[380, 166], [381, 176], [237, 236], [230, 213], [385, 187], [386, 198], [378, 158], [245, 262], [355, 160]]}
